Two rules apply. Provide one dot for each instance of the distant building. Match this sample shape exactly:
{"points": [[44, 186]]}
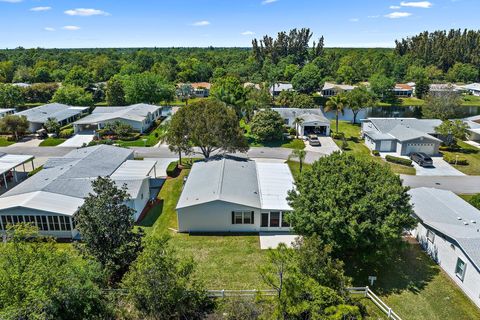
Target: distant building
{"points": [[330, 89], [5, 112], [201, 89], [473, 88], [279, 87], [252, 85], [448, 230], [235, 195], [403, 90], [21, 84], [473, 128], [444, 87], [313, 120], [64, 114]]}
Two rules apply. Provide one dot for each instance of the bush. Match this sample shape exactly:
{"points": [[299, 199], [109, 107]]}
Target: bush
{"points": [[66, 133], [452, 159], [344, 144], [451, 148], [397, 160], [35, 171], [338, 136], [131, 137], [173, 170], [376, 153]]}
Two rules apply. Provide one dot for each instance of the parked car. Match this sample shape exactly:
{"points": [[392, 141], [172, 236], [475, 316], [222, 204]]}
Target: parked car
{"points": [[313, 140], [422, 159]]}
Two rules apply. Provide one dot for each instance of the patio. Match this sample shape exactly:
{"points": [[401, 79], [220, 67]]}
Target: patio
{"points": [[9, 175]]}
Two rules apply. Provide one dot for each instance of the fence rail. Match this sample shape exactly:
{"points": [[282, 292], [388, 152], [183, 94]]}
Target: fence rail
{"points": [[365, 291]]}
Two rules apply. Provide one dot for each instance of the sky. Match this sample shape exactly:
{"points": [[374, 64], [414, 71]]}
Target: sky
{"points": [[222, 23]]}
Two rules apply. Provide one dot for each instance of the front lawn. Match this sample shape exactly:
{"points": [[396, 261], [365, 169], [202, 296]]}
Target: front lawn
{"points": [[223, 262], [5, 143], [472, 154], [359, 149], [145, 140], [51, 142]]}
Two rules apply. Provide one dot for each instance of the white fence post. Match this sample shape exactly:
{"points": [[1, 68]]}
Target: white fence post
{"points": [[223, 293], [389, 313], [366, 291]]}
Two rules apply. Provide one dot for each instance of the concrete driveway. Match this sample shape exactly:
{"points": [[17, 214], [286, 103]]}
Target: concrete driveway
{"points": [[440, 168], [78, 140], [271, 240], [328, 146], [26, 142]]}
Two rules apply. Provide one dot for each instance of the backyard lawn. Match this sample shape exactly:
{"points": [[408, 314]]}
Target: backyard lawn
{"points": [[51, 142], [472, 154], [358, 148]]}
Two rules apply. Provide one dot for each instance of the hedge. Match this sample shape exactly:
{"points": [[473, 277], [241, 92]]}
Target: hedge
{"points": [[452, 159], [397, 160], [66, 133], [172, 169], [33, 172], [376, 153]]}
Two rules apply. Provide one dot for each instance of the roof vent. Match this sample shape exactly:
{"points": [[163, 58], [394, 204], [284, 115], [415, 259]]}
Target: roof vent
{"points": [[465, 223], [459, 218], [473, 221]]}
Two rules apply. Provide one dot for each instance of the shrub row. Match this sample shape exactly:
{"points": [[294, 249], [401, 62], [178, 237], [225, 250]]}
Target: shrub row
{"points": [[33, 172], [172, 169], [452, 159], [376, 153], [66, 133], [397, 160]]}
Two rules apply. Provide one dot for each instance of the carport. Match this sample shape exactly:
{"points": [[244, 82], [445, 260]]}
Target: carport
{"points": [[8, 165], [314, 124]]}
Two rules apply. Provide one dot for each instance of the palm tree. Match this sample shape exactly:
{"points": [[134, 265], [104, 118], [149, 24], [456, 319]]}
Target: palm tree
{"points": [[337, 104], [297, 123], [300, 154]]}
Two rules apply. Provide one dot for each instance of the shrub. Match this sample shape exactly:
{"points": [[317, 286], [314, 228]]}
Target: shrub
{"points": [[35, 171], [452, 159], [344, 144], [376, 153], [66, 133], [338, 136], [453, 147], [173, 170], [397, 160]]}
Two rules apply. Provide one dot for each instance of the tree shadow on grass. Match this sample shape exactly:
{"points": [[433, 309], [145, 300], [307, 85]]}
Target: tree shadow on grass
{"points": [[152, 215], [408, 268]]}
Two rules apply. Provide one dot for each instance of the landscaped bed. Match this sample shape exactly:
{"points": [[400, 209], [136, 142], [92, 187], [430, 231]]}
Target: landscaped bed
{"points": [[470, 153]]}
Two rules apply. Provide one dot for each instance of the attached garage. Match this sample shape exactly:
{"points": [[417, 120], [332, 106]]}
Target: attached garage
{"points": [[428, 148]]}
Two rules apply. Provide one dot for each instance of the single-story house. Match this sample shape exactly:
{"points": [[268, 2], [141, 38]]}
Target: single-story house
{"points": [[235, 195], [21, 84], [201, 89], [448, 229], [444, 87], [330, 89], [401, 135], [139, 116], [8, 167], [403, 90], [473, 88], [252, 85], [63, 113], [5, 112], [279, 87], [51, 197], [313, 120], [473, 128]]}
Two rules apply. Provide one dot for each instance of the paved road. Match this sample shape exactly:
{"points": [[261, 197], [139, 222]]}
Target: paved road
{"points": [[37, 151], [459, 184]]}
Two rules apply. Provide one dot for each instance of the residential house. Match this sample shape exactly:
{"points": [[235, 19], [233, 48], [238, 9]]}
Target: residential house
{"points": [[444, 87], [139, 116], [279, 87], [64, 114], [313, 121], [6, 112], [235, 195], [252, 85], [51, 197], [401, 135], [403, 90], [473, 88], [330, 89], [201, 89], [473, 128], [449, 231]]}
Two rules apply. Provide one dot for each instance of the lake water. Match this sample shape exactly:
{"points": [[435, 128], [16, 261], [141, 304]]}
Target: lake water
{"points": [[397, 112]]}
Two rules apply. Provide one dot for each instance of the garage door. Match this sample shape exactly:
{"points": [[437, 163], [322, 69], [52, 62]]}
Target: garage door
{"points": [[428, 148]]}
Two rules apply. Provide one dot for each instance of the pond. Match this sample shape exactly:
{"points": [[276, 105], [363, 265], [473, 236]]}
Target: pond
{"points": [[398, 112]]}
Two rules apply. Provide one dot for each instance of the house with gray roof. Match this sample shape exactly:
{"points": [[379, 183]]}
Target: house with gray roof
{"points": [[235, 195], [276, 88], [6, 111], [330, 89], [449, 230], [401, 135], [473, 130], [139, 116], [63, 113], [51, 197], [313, 121], [473, 88]]}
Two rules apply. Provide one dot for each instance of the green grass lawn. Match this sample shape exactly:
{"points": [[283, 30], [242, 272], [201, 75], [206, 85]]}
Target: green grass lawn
{"points": [[467, 101], [4, 142], [52, 142], [359, 149], [223, 262], [416, 288], [145, 140], [472, 154]]}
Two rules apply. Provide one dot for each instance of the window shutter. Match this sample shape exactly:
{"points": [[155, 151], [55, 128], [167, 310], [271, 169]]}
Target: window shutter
{"points": [[253, 215], [233, 217]]}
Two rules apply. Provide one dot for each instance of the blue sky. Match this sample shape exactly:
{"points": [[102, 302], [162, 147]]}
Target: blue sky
{"points": [[200, 23]]}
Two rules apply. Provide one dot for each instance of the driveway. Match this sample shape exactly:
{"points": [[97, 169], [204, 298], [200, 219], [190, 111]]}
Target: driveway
{"points": [[328, 146], [78, 140], [440, 168], [271, 240], [28, 141]]}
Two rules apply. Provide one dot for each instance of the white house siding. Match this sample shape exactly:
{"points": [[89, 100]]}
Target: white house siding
{"points": [[216, 216], [370, 143], [427, 146], [446, 253], [141, 201]]}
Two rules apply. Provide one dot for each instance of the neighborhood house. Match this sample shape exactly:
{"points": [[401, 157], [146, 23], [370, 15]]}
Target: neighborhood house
{"points": [[235, 195], [139, 116], [51, 197], [64, 114], [312, 121], [449, 230], [473, 130], [403, 90], [401, 135], [201, 89], [473, 88], [279, 87], [6, 112], [330, 89]]}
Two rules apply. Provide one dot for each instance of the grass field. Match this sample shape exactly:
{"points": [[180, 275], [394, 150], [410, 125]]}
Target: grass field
{"points": [[5, 143], [51, 142], [472, 154], [145, 140], [359, 149], [467, 101]]}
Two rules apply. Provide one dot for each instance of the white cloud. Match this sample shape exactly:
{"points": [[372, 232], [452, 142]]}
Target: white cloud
{"points": [[353, 19], [49, 29], [395, 7], [11, 1], [71, 28], [373, 17], [83, 12], [202, 23], [417, 4], [397, 15], [268, 1], [247, 33], [37, 9]]}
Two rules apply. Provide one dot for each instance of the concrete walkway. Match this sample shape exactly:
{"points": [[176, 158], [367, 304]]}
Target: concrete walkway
{"points": [[473, 143], [27, 142], [328, 146], [271, 240], [78, 140]]}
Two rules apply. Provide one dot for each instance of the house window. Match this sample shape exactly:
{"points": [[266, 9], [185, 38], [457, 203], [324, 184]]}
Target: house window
{"points": [[430, 236], [274, 219], [264, 222], [460, 269], [242, 217]]}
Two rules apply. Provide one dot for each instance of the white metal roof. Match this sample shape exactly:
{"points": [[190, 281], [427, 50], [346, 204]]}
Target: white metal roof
{"points": [[134, 169], [274, 181], [43, 201], [10, 161]]}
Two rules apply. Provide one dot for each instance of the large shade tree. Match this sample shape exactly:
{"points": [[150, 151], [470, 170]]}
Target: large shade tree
{"points": [[356, 206], [16, 125], [10, 96], [267, 125], [358, 99], [442, 105]]}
